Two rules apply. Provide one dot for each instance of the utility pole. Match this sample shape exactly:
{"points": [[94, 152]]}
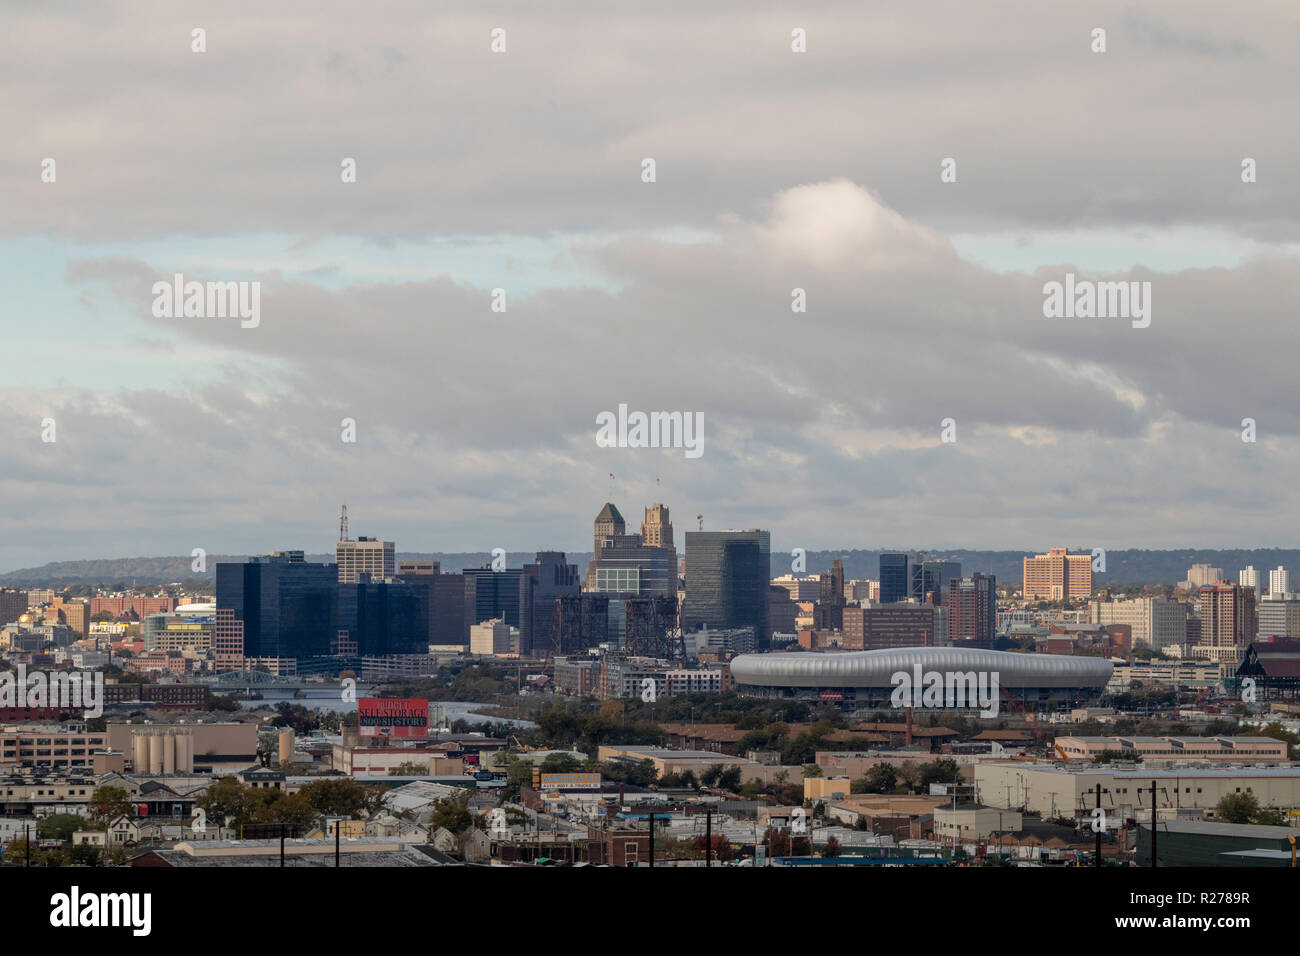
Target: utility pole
{"points": [[27, 842], [1097, 862], [708, 838], [652, 841], [336, 843], [282, 844], [1153, 824]]}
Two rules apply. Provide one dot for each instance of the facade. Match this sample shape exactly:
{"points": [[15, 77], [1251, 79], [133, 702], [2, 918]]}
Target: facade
{"points": [[376, 618], [490, 594], [1156, 622], [1057, 576], [895, 579], [65, 746], [442, 601], [892, 625], [633, 564], [1228, 621], [726, 581], [1200, 575], [1279, 583], [541, 583], [972, 606], [1179, 749], [365, 556], [490, 638], [288, 607], [191, 629], [1280, 618], [1065, 790]]}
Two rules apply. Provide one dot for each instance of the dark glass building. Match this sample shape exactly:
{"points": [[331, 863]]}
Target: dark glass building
{"points": [[493, 594], [727, 580], [289, 607], [895, 577], [383, 617], [549, 577]]}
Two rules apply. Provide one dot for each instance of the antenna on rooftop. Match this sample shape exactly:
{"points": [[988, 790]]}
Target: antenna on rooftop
{"points": [[700, 519], [343, 524]]}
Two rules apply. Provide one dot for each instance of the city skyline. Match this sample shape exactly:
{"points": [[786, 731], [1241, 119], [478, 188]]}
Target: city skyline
{"points": [[922, 296]]}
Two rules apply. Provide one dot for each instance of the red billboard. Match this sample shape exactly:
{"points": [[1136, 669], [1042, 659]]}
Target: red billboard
{"points": [[392, 717]]}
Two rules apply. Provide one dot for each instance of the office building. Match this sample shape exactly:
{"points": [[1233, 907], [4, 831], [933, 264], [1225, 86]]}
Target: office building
{"points": [[490, 638], [633, 564], [491, 594], [1278, 619], [549, 577], [1202, 575], [443, 602], [1155, 622], [365, 556], [726, 581], [1248, 577], [288, 607], [895, 577], [13, 605]]}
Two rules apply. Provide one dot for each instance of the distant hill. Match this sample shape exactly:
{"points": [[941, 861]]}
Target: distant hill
{"points": [[1129, 566]]}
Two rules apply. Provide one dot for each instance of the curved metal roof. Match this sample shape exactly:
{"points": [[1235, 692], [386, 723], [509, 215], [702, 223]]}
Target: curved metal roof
{"points": [[876, 668]]}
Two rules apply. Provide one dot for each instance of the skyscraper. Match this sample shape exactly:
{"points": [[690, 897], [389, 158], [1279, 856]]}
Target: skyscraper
{"points": [[1228, 621], [633, 564], [288, 607], [549, 577], [895, 579], [726, 581]]}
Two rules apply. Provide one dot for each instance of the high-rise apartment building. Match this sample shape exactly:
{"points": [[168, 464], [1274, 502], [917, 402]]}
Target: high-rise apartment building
{"points": [[1279, 584], [365, 556], [726, 581], [1248, 577], [972, 606], [1228, 621], [1057, 576]]}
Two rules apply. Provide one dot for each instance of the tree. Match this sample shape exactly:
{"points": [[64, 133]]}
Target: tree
{"points": [[561, 763], [452, 813], [83, 854], [1237, 808], [227, 801], [729, 779], [109, 803], [812, 770], [832, 848], [342, 797], [60, 826]]}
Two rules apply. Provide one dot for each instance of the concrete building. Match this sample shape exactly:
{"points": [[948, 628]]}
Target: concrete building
{"points": [[492, 638], [1057, 576], [1228, 621], [1279, 584], [973, 823], [1155, 622], [1154, 750], [1063, 790], [66, 746], [365, 556], [1278, 618]]}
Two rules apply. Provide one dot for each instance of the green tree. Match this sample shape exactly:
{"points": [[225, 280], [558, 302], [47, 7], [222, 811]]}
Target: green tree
{"points": [[1237, 808], [60, 826], [452, 813], [108, 803]]}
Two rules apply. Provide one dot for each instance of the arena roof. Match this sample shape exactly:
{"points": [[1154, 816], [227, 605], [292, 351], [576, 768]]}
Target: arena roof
{"points": [[876, 668]]}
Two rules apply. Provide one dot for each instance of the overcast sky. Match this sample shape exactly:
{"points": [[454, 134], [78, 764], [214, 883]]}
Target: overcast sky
{"points": [[522, 171]]}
